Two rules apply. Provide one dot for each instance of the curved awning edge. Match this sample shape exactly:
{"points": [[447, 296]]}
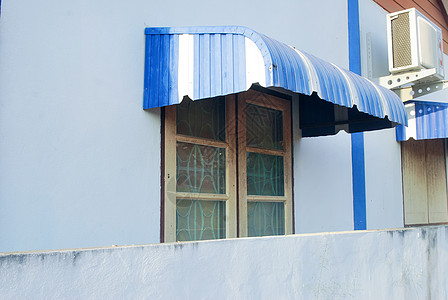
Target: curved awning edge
{"points": [[205, 62]]}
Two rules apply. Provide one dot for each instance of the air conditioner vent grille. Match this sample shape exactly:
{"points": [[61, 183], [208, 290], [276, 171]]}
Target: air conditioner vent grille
{"points": [[401, 41]]}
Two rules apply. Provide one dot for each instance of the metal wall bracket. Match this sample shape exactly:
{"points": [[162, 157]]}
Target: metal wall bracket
{"points": [[421, 89], [397, 80], [428, 88]]}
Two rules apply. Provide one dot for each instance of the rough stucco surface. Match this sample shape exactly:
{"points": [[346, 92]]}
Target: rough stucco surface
{"points": [[395, 264]]}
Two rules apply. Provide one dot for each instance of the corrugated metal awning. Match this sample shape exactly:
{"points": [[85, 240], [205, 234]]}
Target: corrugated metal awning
{"points": [[426, 120], [205, 62]]}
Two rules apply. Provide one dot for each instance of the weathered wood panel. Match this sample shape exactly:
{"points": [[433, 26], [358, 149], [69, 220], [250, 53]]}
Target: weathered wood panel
{"points": [[424, 182], [432, 9], [436, 179], [414, 183]]}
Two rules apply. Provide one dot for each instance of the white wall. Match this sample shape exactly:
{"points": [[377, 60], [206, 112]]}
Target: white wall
{"points": [[372, 21], [79, 158], [384, 199], [75, 163], [399, 264], [323, 197], [322, 166], [384, 196]]}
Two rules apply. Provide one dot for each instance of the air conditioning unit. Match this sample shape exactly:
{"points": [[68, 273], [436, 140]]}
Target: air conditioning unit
{"points": [[414, 43]]}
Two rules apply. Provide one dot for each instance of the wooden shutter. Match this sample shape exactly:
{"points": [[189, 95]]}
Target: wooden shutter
{"points": [[424, 182], [436, 177], [414, 182]]}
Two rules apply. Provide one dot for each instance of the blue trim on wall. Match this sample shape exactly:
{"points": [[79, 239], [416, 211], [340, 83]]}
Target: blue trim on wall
{"points": [[354, 52], [357, 139], [359, 181]]}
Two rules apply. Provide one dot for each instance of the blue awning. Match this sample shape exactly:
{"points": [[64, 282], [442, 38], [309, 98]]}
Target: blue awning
{"points": [[205, 62], [426, 120]]}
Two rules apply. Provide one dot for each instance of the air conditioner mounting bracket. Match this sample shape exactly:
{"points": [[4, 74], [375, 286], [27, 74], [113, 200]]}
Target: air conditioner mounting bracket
{"points": [[396, 80]]}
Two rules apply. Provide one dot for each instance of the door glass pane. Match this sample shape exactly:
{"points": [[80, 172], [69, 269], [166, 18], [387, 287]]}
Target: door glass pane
{"points": [[200, 220], [264, 127], [265, 218], [202, 118], [200, 169], [265, 174]]}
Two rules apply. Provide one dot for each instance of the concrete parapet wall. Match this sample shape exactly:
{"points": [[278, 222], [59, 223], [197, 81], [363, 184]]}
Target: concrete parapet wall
{"points": [[387, 264]]}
